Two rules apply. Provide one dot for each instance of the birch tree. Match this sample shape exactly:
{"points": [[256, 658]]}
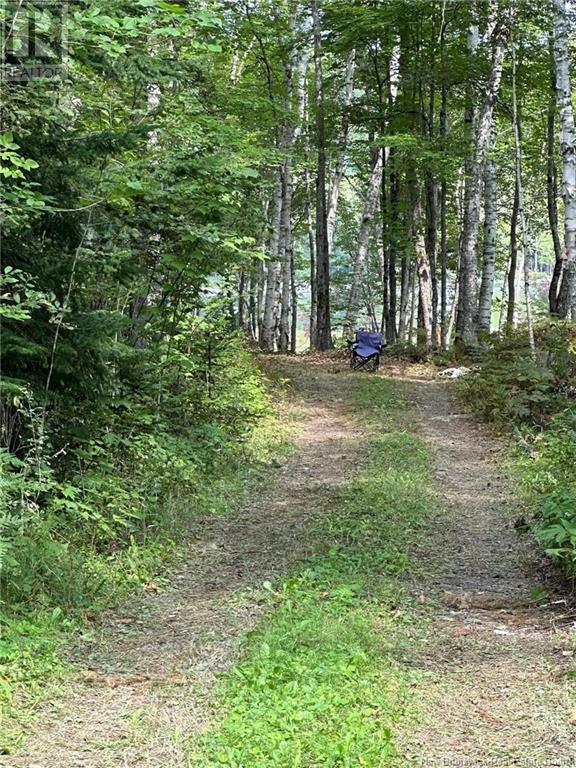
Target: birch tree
{"points": [[339, 164], [489, 254], [566, 305], [521, 208], [366, 227], [466, 324]]}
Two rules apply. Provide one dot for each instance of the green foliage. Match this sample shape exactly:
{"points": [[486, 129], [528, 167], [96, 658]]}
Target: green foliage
{"points": [[511, 386], [556, 527], [129, 403], [315, 684], [29, 657], [535, 396], [126, 475]]}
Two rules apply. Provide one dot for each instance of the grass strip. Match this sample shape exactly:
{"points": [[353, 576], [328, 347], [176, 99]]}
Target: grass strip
{"points": [[318, 682]]}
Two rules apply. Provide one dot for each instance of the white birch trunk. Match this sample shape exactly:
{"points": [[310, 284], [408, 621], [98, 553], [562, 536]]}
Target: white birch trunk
{"points": [[267, 340], [468, 289], [521, 210], [567, 293], [489, 255], [285, 251], [424, 285], [366, 224], [338, 174]]}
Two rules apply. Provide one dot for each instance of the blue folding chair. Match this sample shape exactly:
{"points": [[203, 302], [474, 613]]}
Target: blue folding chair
{"points": [[365, 351]]}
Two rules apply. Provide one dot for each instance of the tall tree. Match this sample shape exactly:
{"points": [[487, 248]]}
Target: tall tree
{"points": [[489, 247], [566, 303], [323, 332], [466, 324]]}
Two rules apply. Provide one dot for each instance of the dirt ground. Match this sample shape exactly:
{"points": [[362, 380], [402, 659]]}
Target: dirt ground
{"points": [[497, 689], [143, 684], [494, 688]]}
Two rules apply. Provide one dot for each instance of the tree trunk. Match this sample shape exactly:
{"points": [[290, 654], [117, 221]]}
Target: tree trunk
{"points": [[294, 302], [260, 300], [312, 252], [366, 225], [521, 209], [339, 165], [323, 334], [451, 320], [287, 248], [269, 319], [391, 328], [489, 256], [511, 309], [285, 309], [566, 305], [404, 298], [431, 284], [468, 293], [430, 244], [241, 309], [413, 293], [425, 289], [443, 195], [552, 191], [422, 266]]}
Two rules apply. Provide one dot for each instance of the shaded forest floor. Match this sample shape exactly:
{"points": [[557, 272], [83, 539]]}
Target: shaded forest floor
{"points": [[484, 674]]}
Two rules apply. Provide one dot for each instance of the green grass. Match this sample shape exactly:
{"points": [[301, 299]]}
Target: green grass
{"points": [[32, 662], [318, 683], [30, 659]]}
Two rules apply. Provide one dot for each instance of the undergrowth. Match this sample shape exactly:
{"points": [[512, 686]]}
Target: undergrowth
{"points": [[317, 683], [535, 398], [77, 537]]}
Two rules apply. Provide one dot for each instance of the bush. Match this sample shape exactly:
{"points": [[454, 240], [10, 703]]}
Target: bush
{"points": [[94, 481], [510, 386], [535, 396], [556, 528]]}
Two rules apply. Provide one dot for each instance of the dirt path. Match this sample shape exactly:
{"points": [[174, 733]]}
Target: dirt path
{"points": [[143, 685], [496, 689]]}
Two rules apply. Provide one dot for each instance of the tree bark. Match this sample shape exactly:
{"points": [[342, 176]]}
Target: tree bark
{"points": [[511, 308], [489, 255], [425, 288], [566, 305], [405, 277], [552, 190], [431, 244], [468, 293], [443, 197], [312, 253], [339, 165], [287, 248], [521, 209], [323, 334], [366, 225], [269, 314], [391, 327]]}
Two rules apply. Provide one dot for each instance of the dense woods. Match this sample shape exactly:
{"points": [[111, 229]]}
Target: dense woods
{"points": [[195, 181]]}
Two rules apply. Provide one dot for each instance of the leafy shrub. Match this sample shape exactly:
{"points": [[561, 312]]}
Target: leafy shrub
{"points": [[510, 385], [534, 395], [86, 483], [556, 528]]}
